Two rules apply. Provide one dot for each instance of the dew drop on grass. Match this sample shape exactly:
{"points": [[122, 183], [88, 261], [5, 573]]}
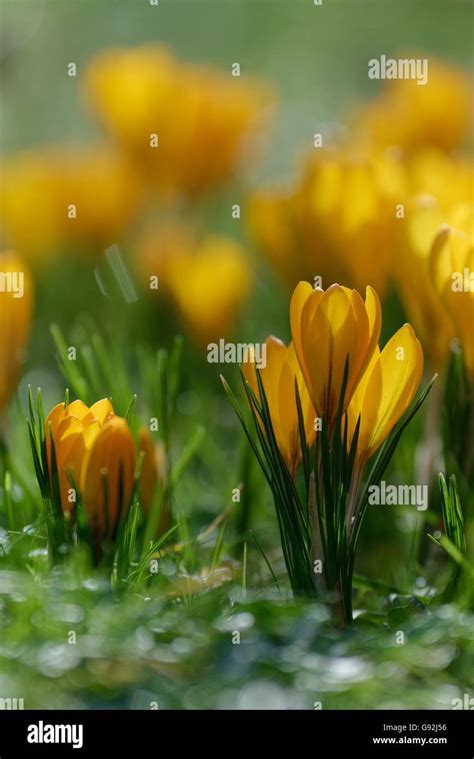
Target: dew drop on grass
{"points": [[54, 659], [241, 621]]}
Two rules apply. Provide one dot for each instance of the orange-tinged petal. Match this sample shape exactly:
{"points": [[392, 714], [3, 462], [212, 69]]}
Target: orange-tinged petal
{"points": [[374, 313], [368, 404], [101, 410], [300, 295], [108, 476], [386, 390], [77, 408], [54, 417], [52, 422], [278, 378], [401, 363], [328, 328], [270, 373], [288, 409], [69, 452]]}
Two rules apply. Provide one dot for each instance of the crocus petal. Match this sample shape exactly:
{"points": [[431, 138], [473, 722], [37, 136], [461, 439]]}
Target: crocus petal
{"points": [[101, 410], [386, 390], [451, 261], [73, 429], [300, 295], [108, 476], [374, 313], [278, 378], [77, 408], [329, 328]]}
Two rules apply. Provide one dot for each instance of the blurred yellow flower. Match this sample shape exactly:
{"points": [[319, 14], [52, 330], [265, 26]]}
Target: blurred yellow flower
{"points": [[153, 472], [436, 184], [452, 269], [328, 328], [95, 457], [446, 179], [159, 243], [414, 116], [385, 392], [186, 125], [56, 198], [354, 193], [290, 235], [208, 279], [279, 375], [16, 309], [340, 218]]}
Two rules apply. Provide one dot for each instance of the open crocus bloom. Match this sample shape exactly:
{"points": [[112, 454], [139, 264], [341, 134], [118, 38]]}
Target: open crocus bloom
{"points": [[94, 453], [328, 328], [278, 378], [385, 391]]}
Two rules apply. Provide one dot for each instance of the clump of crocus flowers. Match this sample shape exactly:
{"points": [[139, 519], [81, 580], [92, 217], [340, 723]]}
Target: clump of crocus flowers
{"points": [[49, 202], [365, 210], [159, 108], [333, 401]]}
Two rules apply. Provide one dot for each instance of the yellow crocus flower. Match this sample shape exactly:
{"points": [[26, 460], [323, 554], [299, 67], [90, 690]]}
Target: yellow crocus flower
{"points": [[291, 236], [385, 392], [327, 328], [414, 283], [338, 218], [452, 268], [415, 116], [93, 450], [186, 126], [58, 198], [278, 376], [208, 286], [352, 195], [107, 482], [207, 278], [437, 185], [72, 428], [16, 307]]}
